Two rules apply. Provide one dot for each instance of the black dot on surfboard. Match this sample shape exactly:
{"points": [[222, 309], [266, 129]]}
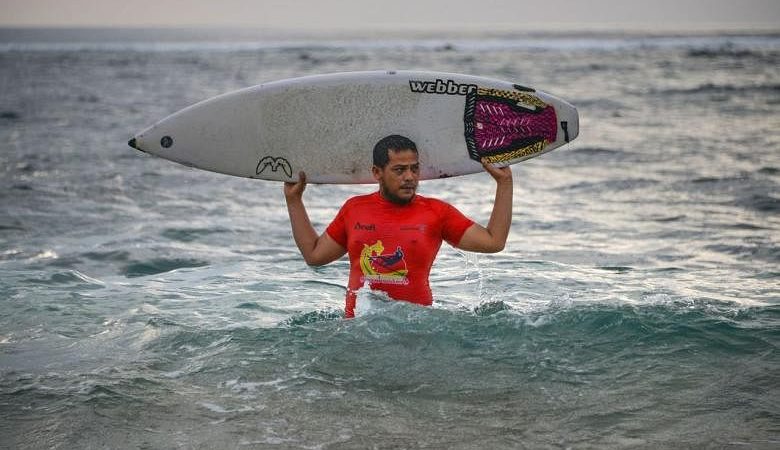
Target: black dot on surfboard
{"points": [[166, 142]]}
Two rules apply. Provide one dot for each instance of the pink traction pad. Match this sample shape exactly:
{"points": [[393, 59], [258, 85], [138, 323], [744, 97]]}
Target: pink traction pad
{"points": [[497, 125]]}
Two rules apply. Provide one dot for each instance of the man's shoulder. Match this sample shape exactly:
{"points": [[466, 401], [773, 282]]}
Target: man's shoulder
{"points": [[430, 202], [359, 200]]}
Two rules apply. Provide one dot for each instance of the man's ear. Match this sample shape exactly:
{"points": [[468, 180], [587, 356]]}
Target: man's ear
{"points": [[377, 172]]}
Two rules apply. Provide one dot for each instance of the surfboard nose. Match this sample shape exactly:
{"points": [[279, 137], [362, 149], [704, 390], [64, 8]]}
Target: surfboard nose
{"points": [[133, 143]]}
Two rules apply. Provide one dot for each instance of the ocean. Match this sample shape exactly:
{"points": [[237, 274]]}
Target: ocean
{"points": [[144, 304]]}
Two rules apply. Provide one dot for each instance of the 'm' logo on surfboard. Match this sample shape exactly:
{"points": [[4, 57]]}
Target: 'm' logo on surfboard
{"points": [[274, 163], [440, 86]]}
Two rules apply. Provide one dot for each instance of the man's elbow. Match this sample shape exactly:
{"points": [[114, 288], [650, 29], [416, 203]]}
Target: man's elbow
{"points": [[483, 246], [489, 247], [496, 247], [314, 261]]}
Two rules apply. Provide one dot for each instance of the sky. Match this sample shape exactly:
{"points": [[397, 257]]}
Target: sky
{"points": [[514, 15]]}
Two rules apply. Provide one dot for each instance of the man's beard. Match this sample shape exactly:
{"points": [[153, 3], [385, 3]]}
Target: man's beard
{"points": [[394, 198]]}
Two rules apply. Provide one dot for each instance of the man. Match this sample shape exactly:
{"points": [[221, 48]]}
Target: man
{"points": [[392, 236]]}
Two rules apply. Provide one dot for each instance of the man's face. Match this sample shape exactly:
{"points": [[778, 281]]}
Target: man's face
{"points": [[398, 179]]}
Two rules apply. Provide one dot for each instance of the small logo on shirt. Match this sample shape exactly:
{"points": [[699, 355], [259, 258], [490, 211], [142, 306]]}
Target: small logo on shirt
{"points": [[414, 227], [369, 227]]}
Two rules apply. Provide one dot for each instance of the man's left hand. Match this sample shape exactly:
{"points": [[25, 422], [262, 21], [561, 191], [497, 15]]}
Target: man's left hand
{"points": [[500, 174]]}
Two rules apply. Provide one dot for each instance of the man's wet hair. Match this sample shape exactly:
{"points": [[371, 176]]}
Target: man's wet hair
{"points": [[393, 142]]}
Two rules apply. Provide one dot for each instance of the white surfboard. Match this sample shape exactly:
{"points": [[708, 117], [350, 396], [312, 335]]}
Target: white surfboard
{"points": [[327, 125]]}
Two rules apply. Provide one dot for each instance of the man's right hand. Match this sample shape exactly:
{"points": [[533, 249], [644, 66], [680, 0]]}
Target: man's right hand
{"points": [[295, 190]]}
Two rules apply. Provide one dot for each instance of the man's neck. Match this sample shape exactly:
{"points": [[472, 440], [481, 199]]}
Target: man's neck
{"points": [[395, 200]]}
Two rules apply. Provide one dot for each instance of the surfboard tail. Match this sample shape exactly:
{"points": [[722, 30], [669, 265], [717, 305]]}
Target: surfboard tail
{"points": [[507, 126]]}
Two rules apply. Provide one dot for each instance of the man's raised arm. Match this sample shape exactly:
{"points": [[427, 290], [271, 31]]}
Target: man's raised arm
{"points": [[492, 239], [316, 250]]}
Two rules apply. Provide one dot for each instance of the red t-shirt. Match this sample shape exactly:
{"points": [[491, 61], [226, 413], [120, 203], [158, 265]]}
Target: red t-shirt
{"points": [[392, 247]]}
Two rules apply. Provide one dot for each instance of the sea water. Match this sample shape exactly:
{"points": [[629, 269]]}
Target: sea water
{"points": [[144, 304]]}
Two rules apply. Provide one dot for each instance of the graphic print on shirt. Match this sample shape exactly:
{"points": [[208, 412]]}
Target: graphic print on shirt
{"points": [[380, 267]]}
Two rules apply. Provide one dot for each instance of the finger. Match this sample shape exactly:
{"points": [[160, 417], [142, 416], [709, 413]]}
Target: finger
{"points": [[496, 172], [487, 165]]}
